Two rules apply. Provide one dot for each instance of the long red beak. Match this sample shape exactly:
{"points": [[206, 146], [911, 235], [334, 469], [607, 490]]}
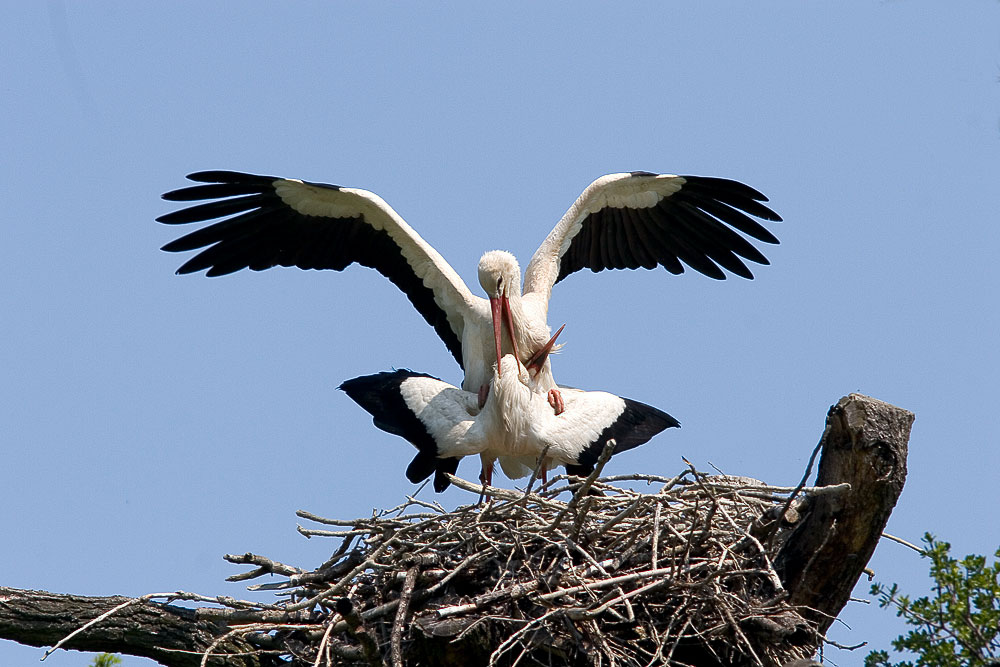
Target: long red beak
{"points": [[500, 310], [538, 359]]}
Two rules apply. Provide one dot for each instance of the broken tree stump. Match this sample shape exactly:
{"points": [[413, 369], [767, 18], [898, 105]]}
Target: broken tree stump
{"points": [[864, 444]]}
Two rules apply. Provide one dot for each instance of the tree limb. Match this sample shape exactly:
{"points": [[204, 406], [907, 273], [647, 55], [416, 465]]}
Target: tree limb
{"points": [[171, 635]]}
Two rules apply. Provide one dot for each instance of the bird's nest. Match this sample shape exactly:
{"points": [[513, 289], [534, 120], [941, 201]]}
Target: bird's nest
{"points": [[580, 572]]}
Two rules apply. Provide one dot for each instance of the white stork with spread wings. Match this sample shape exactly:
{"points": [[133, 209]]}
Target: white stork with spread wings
{"points": [[626, 220], [515, 425]]}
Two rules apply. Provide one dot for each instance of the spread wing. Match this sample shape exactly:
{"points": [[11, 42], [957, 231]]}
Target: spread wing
{"points": [[258, 222], [598, 418], [432, 415], [640, 219]]}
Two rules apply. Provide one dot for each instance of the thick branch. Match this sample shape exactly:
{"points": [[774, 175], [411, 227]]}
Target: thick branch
{"points": [[171, 635], [865, 445]]}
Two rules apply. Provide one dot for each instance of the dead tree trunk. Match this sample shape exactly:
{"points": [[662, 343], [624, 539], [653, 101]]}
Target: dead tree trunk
{"points": [[436, 611], [865, 445]]}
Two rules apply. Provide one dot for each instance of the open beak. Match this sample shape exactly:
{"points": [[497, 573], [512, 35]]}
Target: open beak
{"points": [[500, 309], [538, 359]]}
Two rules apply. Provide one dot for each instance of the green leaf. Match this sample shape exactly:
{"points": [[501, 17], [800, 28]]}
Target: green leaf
{"points": [[959, 625]]}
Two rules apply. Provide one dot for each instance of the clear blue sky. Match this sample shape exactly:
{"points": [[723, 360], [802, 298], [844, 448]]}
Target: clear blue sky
{"points": [[151, 423]]}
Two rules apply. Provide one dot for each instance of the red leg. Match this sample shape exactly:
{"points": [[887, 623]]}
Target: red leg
{"points": [[556, 401], [484, 392], [486, 475]]}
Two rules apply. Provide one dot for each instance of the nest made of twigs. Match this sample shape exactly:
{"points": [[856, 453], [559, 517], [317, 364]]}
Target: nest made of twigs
{"points": [[586, 572]]}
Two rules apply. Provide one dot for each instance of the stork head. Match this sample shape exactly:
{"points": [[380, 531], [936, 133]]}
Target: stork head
{"points": [[500, 277], [499, 274], [513, 368]]}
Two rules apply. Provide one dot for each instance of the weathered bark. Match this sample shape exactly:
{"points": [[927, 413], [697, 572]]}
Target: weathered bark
{"points": [[819, 561], [864, 444], [169, 634]]}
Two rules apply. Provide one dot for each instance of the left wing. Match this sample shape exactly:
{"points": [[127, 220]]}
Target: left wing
{"points": [[282, 221], [432, 415], [628, 220]]}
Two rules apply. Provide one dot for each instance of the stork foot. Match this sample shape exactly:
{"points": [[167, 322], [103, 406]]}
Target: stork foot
{"points": [[556, 401], [486, 478], [484, 392]]}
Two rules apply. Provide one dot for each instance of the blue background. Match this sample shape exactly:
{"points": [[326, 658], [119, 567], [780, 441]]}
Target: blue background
{"points": [[150, 423]]}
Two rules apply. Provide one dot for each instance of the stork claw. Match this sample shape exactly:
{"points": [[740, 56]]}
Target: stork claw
{"points": [[556, 401]]}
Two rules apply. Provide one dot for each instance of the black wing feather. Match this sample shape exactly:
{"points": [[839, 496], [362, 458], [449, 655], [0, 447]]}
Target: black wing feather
{"points": [[612, 229], [211, 191], [660, 249], [679, 242], [213, 209], [225, 176], [736, 218], [701, 228], [623, 256], [597, 243], [637, 249], [734, 193], [380, 396], [699, 225], [264, 232], [635, 426]]}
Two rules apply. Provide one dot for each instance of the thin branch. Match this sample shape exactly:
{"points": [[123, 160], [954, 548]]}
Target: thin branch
{"points": [[900, 540], [404, 607]]}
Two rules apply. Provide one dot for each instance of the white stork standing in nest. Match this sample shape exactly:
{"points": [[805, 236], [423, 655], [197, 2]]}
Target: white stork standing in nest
{"points": [[516, 424], [626, 220]]}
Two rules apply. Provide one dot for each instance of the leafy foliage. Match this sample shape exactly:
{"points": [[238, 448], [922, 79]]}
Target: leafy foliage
{"points": [[957, 627], [106, 660]]}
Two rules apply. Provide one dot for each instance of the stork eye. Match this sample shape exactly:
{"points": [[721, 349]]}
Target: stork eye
{"points": [[499, 282]]}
